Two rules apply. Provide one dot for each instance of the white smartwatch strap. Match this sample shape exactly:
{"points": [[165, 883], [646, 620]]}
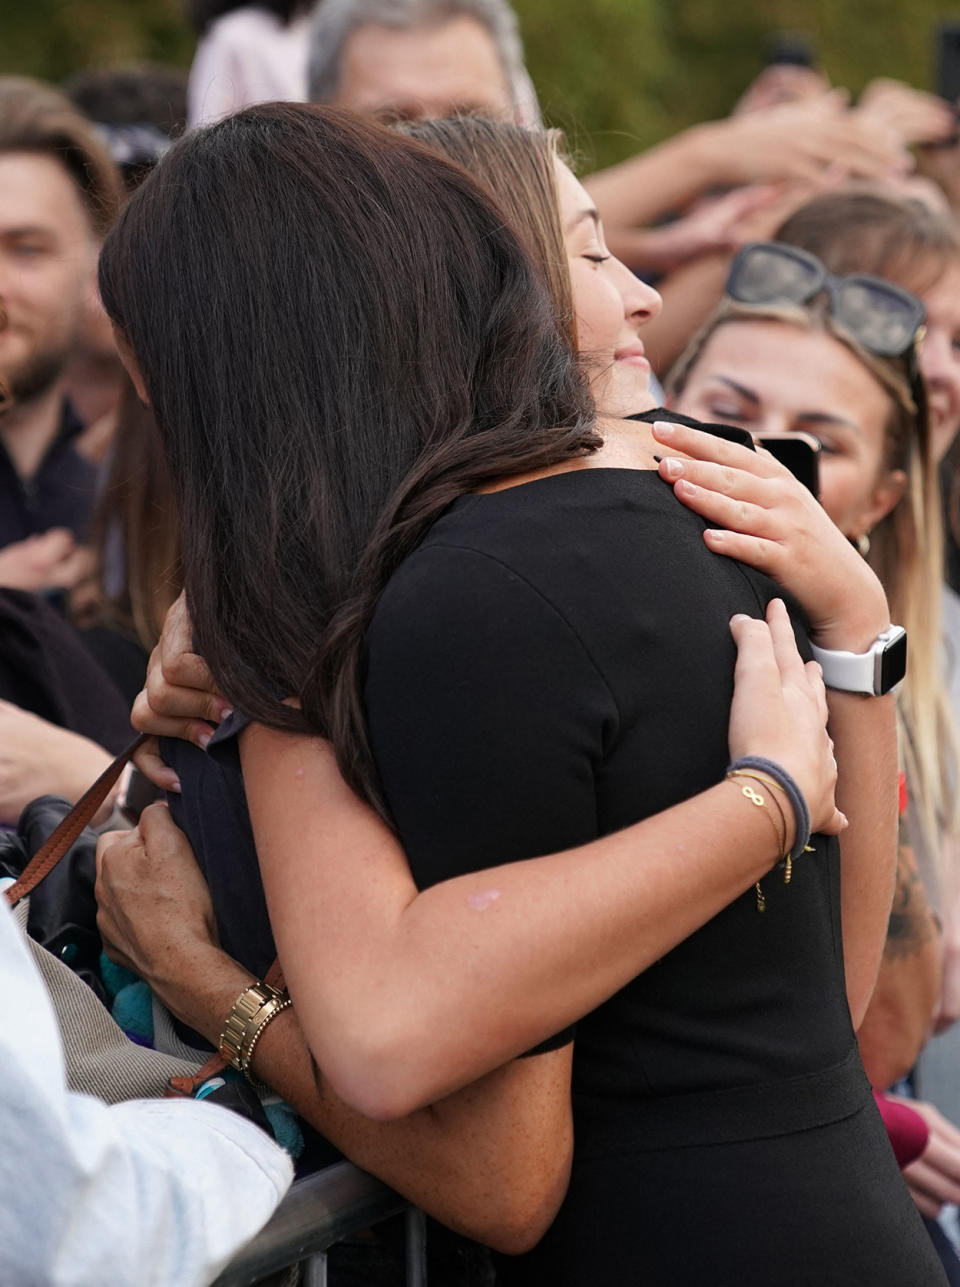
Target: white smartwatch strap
{"points": [[853, 672]]}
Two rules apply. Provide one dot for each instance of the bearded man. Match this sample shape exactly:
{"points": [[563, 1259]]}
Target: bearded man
{"points": [[59, 191]]}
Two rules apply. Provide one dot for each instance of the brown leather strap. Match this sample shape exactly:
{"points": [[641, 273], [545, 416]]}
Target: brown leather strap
{"points": [[80, 816], [180, 1087], [49, 854]]}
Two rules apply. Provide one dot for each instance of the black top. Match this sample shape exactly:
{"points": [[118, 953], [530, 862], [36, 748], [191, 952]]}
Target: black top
{"points": [[45, 669], [553, 663], [60, 494]]}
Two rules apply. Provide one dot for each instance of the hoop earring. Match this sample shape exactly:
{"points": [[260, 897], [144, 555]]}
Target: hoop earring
{"points": [[863, 544]]}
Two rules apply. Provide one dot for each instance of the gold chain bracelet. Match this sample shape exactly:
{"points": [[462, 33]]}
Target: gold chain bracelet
{"points": [[760, 801]]}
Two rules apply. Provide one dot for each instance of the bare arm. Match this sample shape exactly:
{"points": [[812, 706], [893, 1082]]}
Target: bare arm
{"points": [[898, 1019], [491, 1161], [692, 290], [864, 730], [794, 141], [441, 986]]}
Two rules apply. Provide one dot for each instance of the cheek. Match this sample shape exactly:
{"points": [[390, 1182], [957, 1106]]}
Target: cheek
{"points": [[598, 308], [844, 490], [52, 291]]}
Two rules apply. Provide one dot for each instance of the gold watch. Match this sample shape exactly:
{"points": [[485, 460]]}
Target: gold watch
{"points": [[249, 1014]]}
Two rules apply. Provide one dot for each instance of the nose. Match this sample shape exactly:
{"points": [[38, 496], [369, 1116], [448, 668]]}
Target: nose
{"points": [[935, 355], [641, 302]]}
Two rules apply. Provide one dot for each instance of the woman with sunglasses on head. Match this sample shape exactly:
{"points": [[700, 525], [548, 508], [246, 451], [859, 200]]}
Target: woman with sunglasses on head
{"points": [[874, 231], [785, 317], [745, 367], [525, 755]]}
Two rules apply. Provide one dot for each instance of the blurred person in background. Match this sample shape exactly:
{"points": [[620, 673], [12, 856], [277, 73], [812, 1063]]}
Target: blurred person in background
{"points": [[792, 133], [61, 717], [247, 53], [139, 109], [919, 249], [59, 191], [773, 362], [407, 59]]}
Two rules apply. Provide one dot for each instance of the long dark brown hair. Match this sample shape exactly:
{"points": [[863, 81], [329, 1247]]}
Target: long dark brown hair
{"points": [[339, 335]]}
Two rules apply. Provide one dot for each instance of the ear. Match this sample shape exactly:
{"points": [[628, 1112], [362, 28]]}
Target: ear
{"points": [[884, 498], [130, 365]]}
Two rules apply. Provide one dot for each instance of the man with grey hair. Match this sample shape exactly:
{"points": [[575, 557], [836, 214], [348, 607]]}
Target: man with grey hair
{"points": [[404, 59]]}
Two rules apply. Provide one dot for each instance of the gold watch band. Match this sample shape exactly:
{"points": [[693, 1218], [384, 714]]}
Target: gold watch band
{"points": [[251, 1011]]}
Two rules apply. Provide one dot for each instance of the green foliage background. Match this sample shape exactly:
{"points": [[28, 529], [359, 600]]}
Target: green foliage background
{"points": [[617, 74]]}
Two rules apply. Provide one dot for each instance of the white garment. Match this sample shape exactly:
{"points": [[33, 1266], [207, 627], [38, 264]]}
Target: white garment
{"points": [[150, 1193], [248, 56]]}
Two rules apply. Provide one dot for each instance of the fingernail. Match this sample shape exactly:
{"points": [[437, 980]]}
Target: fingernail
{"points": [[658, 459], [175, 786], [225, 713], [738, 616], [204, 739], [664, 429], [673, 468], [685, 488]]}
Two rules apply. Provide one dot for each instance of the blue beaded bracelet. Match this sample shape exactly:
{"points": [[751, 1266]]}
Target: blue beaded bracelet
{"points": [[793, 793]]}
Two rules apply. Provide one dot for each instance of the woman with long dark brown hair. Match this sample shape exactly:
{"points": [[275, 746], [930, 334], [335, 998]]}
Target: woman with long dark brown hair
{"points": [[388, 477]]}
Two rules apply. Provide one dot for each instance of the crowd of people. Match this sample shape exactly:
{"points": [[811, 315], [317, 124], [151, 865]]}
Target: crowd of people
{"points": [[539, 599]]}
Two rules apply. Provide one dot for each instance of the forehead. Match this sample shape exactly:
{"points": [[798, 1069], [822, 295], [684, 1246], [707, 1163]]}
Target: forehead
{"points": [[793, 369], [37, 192], [424, 71], [574, 197], [942, 301]]}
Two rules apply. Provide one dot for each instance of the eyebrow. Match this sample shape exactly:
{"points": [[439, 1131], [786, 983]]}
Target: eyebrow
{"points": [[27, 230], [805, 417], [588, 212]]}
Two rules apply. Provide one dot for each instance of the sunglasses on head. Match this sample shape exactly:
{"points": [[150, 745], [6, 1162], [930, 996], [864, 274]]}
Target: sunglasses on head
{"points": [[881, 317]]}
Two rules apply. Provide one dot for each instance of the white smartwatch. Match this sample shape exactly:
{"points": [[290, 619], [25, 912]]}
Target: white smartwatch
{"points": [[873, 672]]}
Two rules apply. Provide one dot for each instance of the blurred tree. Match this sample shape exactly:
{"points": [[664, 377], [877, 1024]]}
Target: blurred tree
{"points": [[618, 75], [52, 38]]}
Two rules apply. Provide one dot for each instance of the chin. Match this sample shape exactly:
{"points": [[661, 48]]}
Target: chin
{"points": [[943, 433], [627, 392]]}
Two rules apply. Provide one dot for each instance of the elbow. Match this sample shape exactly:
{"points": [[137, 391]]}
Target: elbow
{"points": [[525, 1210], [382, 1079], [519, 1230]]}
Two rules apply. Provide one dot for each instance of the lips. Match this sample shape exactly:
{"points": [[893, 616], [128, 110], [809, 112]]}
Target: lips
{"points": [[634, 353]]}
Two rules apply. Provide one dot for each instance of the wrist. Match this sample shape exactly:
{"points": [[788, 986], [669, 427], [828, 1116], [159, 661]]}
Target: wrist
{"points": [[855, 628], [704, 145], [198, 985]]}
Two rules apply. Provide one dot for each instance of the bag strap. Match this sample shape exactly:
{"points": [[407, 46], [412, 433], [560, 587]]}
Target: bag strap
{"points": [[81, 815], [49, 854], [187, 1087]]}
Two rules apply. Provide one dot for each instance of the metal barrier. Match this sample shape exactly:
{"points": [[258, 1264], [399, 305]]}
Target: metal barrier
{"points": [[318, 1211]]}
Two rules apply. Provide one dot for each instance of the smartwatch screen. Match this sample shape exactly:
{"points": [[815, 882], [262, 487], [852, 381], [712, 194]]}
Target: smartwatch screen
{"points": [[893, 663]]}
